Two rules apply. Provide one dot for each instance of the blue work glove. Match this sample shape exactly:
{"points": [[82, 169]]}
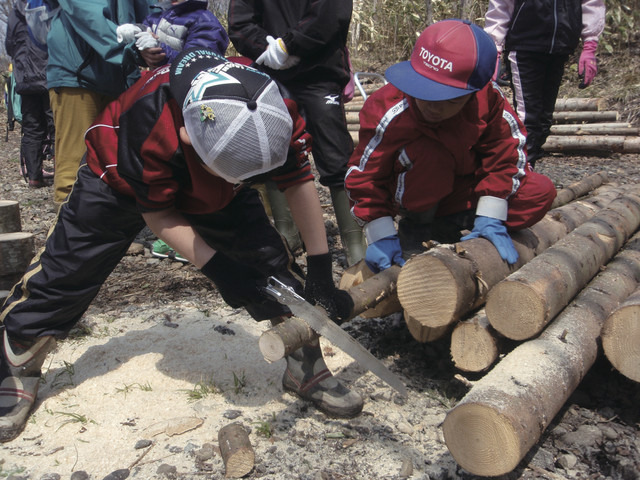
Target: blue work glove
{"points": [[383, 253], [494, 230]]}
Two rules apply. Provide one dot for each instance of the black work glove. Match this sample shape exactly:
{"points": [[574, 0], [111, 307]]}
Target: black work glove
{"points": [[320, 290], [238, 284]]}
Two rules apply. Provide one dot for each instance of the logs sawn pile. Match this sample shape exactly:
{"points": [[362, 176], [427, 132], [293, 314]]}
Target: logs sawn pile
{"points": [[16, 247], [578, 280], [580, 125]]}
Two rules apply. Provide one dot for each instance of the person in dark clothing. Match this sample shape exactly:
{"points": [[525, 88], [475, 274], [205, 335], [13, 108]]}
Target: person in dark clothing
{"points": [[29, 69], [303, 46], [176, 151], [537, 37]]}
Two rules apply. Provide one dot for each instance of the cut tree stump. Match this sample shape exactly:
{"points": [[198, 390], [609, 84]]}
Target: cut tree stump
{"points": [[10, 216], [504, 414], [621, 337], [475, 345], [16, 252], [236, 450], [443, 284], [521, 305]]}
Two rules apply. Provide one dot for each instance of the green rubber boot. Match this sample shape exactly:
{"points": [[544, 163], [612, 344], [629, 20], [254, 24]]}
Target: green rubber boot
{"points": [[351, 233], [282, 216]]}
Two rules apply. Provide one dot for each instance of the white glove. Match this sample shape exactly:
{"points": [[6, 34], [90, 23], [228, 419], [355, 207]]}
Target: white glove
{"points": [[292, 61], [275, 56], [146, 40], [126, 33]]}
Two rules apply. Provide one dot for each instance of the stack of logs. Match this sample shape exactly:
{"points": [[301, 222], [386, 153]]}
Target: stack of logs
{"points": [[580, 125], [545, 316], [16, 247]]}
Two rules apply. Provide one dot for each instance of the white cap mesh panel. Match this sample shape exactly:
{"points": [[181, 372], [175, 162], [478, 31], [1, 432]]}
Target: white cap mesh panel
{"points": [[238, 142]]}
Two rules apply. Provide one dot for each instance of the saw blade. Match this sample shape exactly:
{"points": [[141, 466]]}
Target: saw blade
{"points": [[318, 320]]}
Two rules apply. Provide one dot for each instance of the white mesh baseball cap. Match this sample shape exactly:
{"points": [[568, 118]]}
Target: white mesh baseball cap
{"points": [[235, 116]]}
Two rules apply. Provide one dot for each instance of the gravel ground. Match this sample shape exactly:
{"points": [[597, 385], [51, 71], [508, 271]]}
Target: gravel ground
{"points": [[595, 435]]}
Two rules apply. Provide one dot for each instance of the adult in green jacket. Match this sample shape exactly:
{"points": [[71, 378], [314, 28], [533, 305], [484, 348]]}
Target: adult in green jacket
{"points": [[87, 69]]}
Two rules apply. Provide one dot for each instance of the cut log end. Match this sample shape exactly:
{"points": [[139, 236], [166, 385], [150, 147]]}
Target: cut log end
{"points": [[285, 338], [481, 440], [621, 340], [516, 310], [236, 450], [423, 333], [474, 347], [424, 291]]}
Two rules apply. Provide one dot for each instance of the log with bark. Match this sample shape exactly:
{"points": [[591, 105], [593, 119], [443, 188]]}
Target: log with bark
{"points": [[578, 104], [374, 295], [621, 337], [445, 283], [596, 129], [475, 345], [504, 414], [10, 216], [579, 189], [367, 295], [585, 116], [16, 252], [592, 143], [521, 305], [236, 450]]}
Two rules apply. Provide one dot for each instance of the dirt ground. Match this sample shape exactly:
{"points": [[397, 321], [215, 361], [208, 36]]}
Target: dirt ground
{"points": [[159, 364]]}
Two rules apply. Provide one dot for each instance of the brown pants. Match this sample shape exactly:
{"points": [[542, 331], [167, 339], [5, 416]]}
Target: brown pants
{"points": [[74, 110]]}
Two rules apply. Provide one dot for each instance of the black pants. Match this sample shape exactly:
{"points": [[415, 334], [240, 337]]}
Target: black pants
{"points": [[323, 110], [536, 79], [94, 229], [36, 112]]}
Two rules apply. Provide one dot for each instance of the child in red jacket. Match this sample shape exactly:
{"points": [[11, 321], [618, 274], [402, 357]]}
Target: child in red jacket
{"points": [[175, 152], [441, 147]]}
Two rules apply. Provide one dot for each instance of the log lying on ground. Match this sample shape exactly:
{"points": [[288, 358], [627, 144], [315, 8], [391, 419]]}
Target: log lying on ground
{"points": [[443, 284], [504, 414], [520, 306], [236, 450], [10, 216], [625, 129], [621, 337], [604, 143], [585, 116], [578, 103], [579, 188], [475, 346]]}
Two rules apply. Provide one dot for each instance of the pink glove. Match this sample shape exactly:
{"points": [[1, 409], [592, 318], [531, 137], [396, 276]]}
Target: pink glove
{"points": [[587, 65]]}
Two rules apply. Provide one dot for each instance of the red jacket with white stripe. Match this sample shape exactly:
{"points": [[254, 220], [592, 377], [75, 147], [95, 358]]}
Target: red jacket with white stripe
{"points": [[134, 147], [401, 161]]}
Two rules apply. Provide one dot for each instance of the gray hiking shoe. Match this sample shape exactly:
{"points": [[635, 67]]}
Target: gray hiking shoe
{"points": [[20, 363], [307, 376]]}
